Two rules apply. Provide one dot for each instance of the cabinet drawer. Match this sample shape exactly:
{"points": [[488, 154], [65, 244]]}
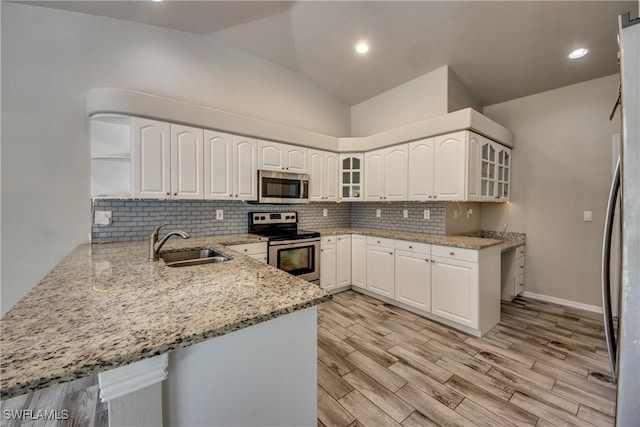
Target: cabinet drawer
{"points": [[328, 240], [423, 248], [344, 237], [519, 284], [520, 251], [455, 253], [380, 241], [250, 248], [519, 266]]}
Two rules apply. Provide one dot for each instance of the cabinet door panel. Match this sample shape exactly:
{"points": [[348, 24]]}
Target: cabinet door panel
{"points": [[359, 261], [351, 177], [331, 176], [380, 270], [450, 166], [271, 156], [328, 267], [218, 165], [316, 175], [151, 159], [186, 162], [413, 279], [421, 158], [374, 175], [395, 183], [473, 172], [245, 162], [295, 159], [454, 291], [343, 261]]}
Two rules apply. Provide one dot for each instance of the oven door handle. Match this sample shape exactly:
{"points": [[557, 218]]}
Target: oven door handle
{"points": [[296, 242]]}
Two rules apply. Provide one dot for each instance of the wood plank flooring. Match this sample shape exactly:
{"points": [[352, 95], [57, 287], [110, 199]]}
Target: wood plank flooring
{"points": [[379, 365], [79, 398], [542, 365]]}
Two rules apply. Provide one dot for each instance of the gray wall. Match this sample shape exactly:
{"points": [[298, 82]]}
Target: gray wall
{"points": [[50, 58], [463, 223], [561, 167]]}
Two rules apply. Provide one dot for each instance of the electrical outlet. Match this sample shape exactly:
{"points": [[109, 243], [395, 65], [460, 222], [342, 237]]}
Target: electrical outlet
{"points": [[378, 213], [405, 213], [469, 213], [456, 214], [102, 217], [219, 214], [588, 216], [325, 212], [427, 214]]}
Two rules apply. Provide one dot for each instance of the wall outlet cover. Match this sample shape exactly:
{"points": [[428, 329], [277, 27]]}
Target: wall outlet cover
{"points": [[378, 213], [427, 214], [219, 214], [405, 213], [588, 216], [325, 212], [102, 217]]}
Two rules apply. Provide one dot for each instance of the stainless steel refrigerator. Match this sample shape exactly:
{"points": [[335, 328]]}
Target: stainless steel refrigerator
{"points": [[624, 346]]}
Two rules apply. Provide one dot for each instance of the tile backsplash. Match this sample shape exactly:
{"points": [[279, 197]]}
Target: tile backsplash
{"points": [[134, 219]]}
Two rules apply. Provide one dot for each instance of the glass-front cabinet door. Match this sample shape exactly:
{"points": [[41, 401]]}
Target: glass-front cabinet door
{"points": [[488, 170], [351, 168], [504, 173]]}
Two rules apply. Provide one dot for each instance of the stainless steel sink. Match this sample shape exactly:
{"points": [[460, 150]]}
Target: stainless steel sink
{"points": [[187, 258]]}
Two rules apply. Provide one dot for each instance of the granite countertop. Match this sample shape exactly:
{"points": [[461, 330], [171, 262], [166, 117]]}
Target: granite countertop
{"points": [[106, 306], [508, 245], [467, 242]]}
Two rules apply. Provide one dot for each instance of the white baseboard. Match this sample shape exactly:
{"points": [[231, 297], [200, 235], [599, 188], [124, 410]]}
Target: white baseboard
{"points": [[560, 301]]}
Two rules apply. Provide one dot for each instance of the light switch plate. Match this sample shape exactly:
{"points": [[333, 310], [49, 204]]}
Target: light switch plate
{"points": [[325, 212], [427, 214], [219, 214], [405, 213], [378, 213], [588, 216], [102, 217]]}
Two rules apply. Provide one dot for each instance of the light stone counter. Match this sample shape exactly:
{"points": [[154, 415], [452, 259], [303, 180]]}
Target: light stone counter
{"points": [[434, 239], [106, 306]]}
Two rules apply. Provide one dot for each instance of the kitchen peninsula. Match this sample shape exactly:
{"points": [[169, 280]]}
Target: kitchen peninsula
{"points": [[106, 306]]}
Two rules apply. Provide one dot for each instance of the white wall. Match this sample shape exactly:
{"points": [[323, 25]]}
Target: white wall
{"points": [[418, 99], [50, 58], [463, 223], [561, 167]]}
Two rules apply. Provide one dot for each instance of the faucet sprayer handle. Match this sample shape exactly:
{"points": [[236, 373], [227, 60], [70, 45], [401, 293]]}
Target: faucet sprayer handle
{"points": [[157, 229]]}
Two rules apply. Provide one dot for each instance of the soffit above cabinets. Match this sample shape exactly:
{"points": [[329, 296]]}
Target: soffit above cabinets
{"points": [[140, 104]]}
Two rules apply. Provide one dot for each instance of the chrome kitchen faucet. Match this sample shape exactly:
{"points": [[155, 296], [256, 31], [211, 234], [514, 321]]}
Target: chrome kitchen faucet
{"points": [[155, 245]]}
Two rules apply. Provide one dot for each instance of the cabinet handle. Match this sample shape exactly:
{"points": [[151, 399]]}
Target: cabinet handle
{"points": [[378, 241], [522, 266], [433, 260], [426, 260], [390, 253], [175, 194], [410, 247], [245, 250], [380, 197], [452, 253], [168, 194]]}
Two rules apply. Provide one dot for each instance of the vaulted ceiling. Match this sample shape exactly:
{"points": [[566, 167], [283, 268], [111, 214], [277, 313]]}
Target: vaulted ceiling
{"points": [[500, 50]]}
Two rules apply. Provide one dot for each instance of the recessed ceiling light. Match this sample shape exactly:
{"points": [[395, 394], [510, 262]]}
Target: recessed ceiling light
{"points": [[156, 1], [578, 53], [362, 47]]}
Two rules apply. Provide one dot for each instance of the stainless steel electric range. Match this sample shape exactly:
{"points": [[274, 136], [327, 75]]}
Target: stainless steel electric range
{"points": [[295, 251]]}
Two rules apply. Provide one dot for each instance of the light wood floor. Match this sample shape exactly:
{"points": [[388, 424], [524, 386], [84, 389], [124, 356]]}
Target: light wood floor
{"points": [[79, 398], [543, 365], [378, 365]]}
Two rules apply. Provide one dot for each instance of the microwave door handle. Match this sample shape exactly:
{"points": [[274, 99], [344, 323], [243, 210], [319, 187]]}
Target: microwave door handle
{"points": [[606, 265]]}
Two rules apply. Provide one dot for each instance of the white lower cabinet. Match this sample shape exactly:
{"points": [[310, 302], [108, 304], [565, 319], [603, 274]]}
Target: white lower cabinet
{"points": [[454, 290], [380, 266], [328, 264], [253, 250], [359, 261], [413, 277], [343, 261], [512, 273]]}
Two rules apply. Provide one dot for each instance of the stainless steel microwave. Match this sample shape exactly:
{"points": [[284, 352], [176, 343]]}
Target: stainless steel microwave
{"points": [[282, 187]]}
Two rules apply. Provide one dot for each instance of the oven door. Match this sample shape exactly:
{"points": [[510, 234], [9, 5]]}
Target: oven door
{"points": [[298, 257]]}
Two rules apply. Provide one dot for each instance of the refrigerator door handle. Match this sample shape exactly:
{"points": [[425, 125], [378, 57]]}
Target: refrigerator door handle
{"points": [[606, 266]]}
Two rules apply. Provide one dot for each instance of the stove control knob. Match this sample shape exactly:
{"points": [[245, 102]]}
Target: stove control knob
{"points": [[293, 217], [255, 218], [262, 218]]}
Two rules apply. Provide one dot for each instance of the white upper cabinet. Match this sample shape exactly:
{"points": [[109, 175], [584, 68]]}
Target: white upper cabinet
{"points": [[386, 173], [450, 169], [395, 171], [421, 162], [186, 162], [494, 171], [282, 157], [351, 177], [323, 172], [151, 159], [374, 175], [503, 177], [229, 166]]}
